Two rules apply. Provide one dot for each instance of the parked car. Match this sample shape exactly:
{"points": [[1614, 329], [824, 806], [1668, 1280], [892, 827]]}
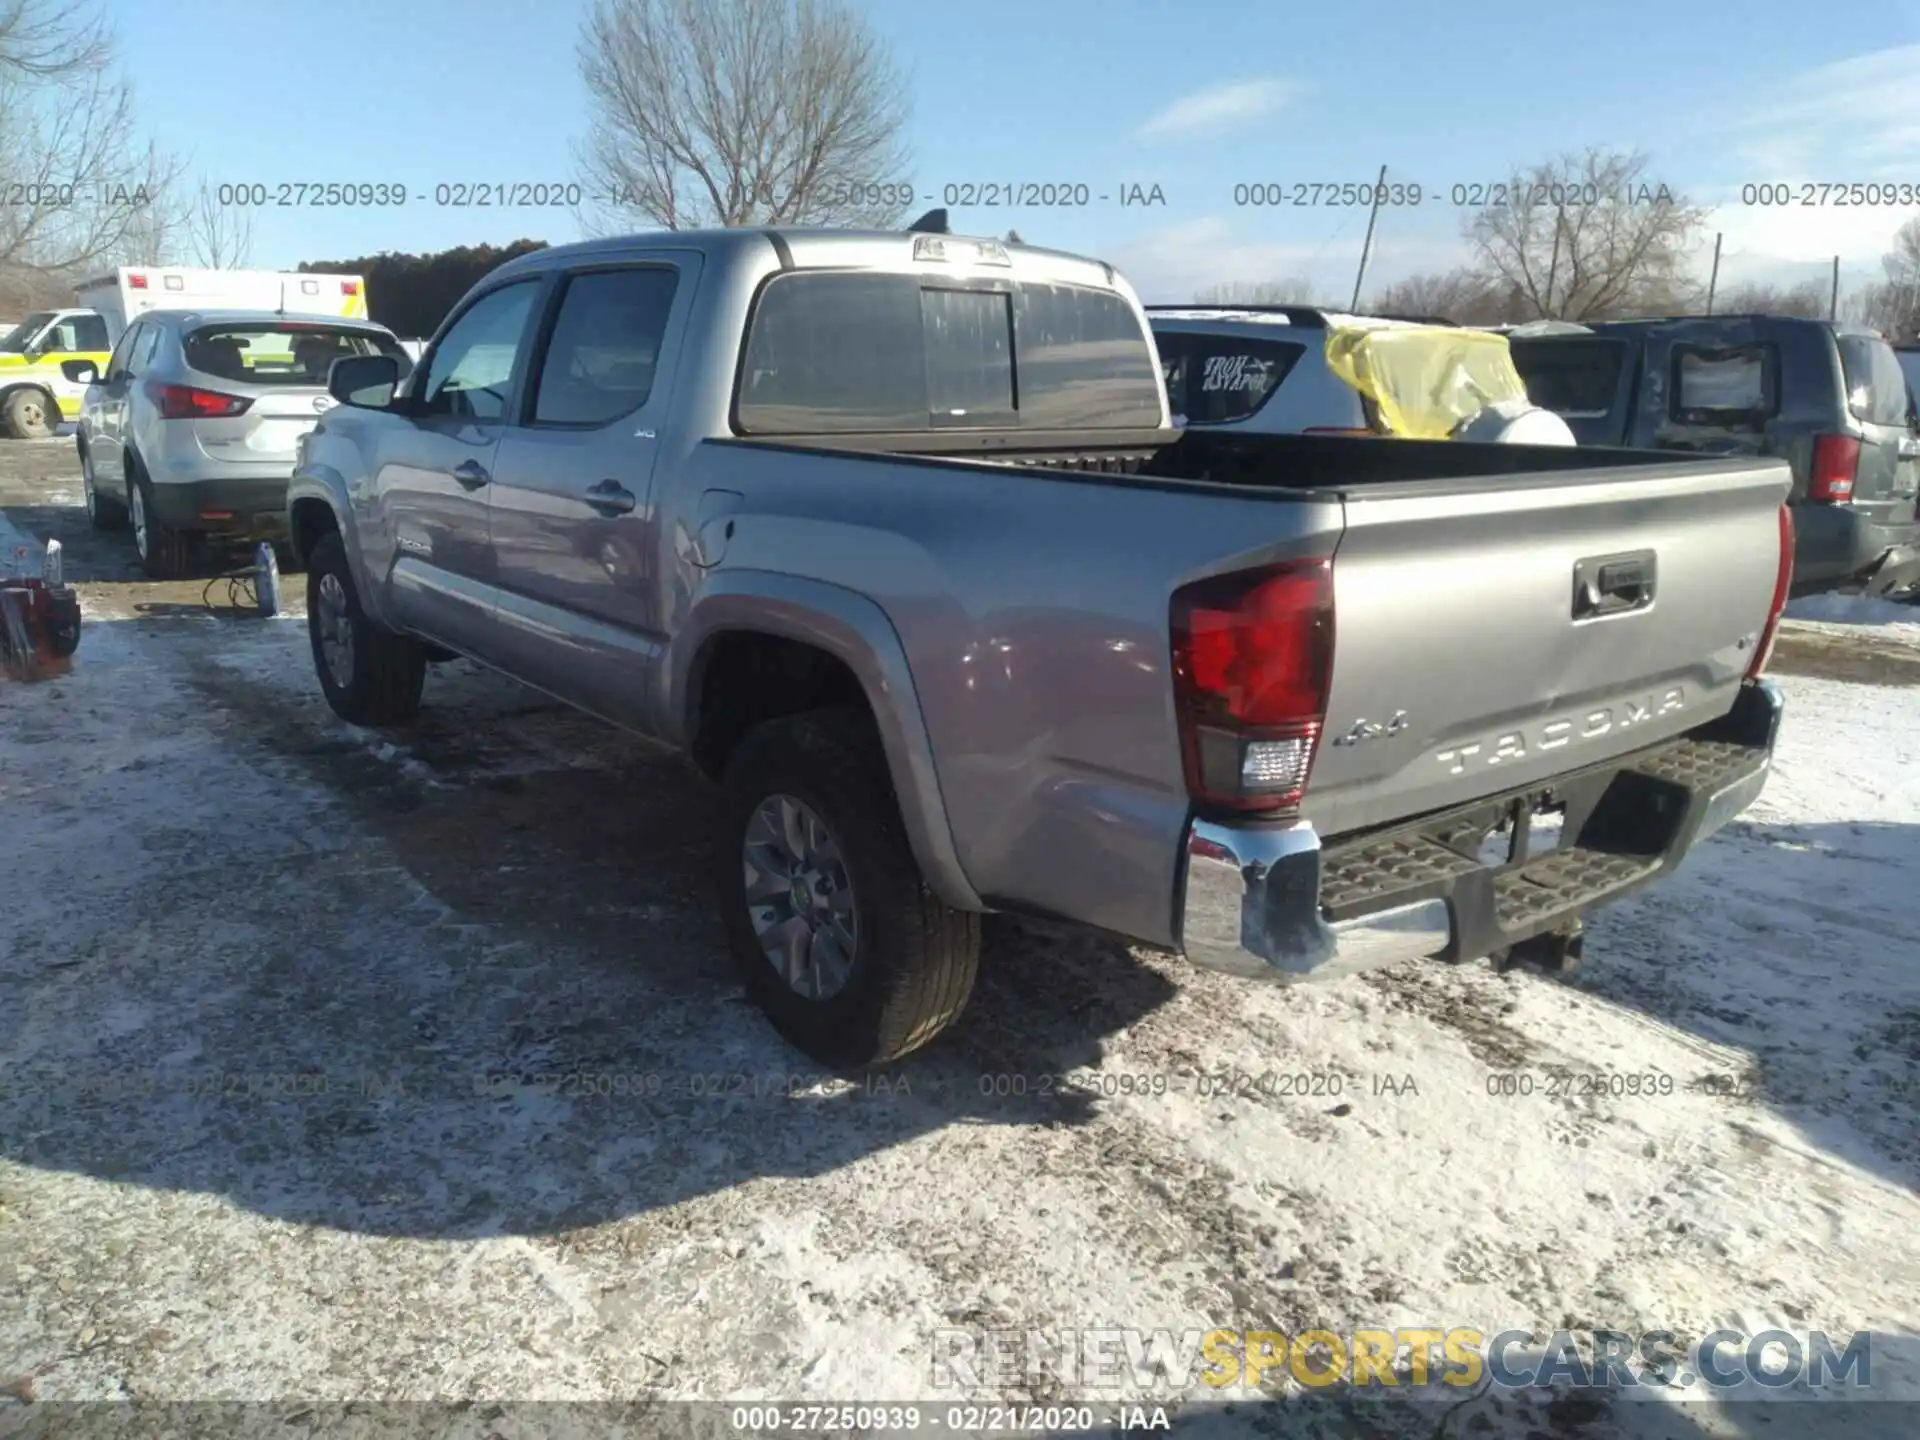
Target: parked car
{"points": [[36, 393], [1291, 369], [948, 644], [1830, 399], [190, 434]]}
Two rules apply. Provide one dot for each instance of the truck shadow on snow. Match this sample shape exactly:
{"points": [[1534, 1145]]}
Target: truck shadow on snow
{"points": [[1789, 949], [512, 1012]]}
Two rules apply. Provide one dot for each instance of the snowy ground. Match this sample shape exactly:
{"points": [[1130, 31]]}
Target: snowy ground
{"points": [[211, 885]]}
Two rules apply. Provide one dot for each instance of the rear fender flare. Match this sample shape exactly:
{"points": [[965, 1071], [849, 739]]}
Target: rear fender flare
{"points": [[856, 631]]}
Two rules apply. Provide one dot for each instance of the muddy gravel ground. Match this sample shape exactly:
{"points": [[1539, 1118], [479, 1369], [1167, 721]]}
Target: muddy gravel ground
{"points": [[338, 1065]]}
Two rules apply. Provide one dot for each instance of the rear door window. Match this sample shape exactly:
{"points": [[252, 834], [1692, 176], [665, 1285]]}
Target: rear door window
{"points": [[874, 352], [604, 354], [1876, 385], [1577, 379], [1737, 386], [1230, 378]]}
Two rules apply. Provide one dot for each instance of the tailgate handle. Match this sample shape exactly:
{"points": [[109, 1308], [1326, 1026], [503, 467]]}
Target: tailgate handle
{"points": [[1613, 584]]}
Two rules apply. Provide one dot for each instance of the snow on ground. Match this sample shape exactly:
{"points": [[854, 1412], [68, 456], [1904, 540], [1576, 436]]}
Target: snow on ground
{"points": [[261, 966]]}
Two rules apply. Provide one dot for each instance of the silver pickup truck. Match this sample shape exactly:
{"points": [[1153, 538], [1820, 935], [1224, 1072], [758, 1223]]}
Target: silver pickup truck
{"points": [[890, 534]]}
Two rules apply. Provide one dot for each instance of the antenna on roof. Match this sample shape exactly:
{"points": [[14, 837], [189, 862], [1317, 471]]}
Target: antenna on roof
{"points": [[934, 222]]}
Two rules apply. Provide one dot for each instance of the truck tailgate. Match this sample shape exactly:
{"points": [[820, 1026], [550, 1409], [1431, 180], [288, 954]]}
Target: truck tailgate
{"points": [[1470, 655]]}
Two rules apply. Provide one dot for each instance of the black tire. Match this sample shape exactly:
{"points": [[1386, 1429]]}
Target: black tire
{"points": [[914, 958], [31, 414], [165, 553], [102, 513], [386, 671]]}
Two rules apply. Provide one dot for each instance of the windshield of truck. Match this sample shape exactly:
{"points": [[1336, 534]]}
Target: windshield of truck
{"points": [[842, 353], [1876, 385], [16, 339], [261, 353]]}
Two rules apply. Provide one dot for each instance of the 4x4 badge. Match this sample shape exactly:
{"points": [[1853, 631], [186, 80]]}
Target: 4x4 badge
{"points": [[1364, 729]]}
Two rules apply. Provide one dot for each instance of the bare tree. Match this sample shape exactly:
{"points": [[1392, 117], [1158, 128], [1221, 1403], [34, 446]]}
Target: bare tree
{"points": [[52, 39], [218, 237], [1463, 295], [78, 176], [740, 112], [1893, 305], [1588, 236], [1810, 299], [1291, 290]]}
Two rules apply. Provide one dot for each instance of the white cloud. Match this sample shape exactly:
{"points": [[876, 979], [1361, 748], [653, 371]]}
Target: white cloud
{"points": [[1170, 266], [1219, 107], [1855, 120]]}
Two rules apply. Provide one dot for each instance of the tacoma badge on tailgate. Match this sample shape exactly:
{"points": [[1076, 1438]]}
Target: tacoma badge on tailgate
{"points": [[1518, 744]]}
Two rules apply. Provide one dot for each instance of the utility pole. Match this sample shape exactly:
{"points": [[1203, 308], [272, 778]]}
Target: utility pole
{"points": [[1833, 305], [1379, 189], [1713, 278], [1553, 266]]}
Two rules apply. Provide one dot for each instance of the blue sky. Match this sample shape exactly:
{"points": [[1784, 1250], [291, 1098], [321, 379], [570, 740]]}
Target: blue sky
{"points": [[1195, 97]]}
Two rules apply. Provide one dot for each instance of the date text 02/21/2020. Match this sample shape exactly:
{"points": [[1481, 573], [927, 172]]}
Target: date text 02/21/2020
{"points": [[566, 194], [1478, 195]]}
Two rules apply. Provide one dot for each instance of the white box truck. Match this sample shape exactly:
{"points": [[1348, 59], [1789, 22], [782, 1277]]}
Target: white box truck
{"points": [[35, 397]]}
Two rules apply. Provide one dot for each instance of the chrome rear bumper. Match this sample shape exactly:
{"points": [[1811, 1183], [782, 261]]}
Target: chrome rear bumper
{"points": [[1269, 902]]}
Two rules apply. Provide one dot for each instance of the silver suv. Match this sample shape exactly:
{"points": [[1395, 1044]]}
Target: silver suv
{"points": [[1260, 368], [191, 434]]}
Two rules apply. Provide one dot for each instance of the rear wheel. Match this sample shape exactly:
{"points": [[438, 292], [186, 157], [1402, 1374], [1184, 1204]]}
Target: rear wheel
{"points": [[102, 513], [165, 553], [31, 414], [370, 675], [834, 931]]}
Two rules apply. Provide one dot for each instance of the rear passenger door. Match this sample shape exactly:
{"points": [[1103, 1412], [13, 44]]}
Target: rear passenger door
{"points": [[1713, 387], [573, 523], [107, 423]]}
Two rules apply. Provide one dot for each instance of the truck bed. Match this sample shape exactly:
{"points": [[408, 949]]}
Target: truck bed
{"points": [[1030, 583]]}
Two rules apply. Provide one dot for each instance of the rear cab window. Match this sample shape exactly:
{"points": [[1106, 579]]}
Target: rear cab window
{"points": [[876, 352], [1876, 385], [268, 353]]}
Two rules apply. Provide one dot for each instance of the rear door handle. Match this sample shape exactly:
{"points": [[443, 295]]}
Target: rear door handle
{"points": [[611, 498], [471, 473]]}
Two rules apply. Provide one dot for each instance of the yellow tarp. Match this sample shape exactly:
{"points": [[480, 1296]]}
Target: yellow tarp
{"points": [[1424, 379]]}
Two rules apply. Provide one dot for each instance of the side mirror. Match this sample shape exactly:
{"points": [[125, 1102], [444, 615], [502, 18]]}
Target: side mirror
{"points": [[365, 381], [80, 372]]}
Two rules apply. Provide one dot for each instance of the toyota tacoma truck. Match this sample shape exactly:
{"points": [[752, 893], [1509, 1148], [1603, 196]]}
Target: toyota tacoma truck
{"points": [[890, 534]]}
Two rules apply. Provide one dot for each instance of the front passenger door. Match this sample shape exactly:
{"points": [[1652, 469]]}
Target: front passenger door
{"points": [[436, 468]]}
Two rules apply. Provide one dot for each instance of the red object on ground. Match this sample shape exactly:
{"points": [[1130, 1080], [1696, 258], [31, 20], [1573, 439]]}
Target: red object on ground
{"points": [[39, 628]]}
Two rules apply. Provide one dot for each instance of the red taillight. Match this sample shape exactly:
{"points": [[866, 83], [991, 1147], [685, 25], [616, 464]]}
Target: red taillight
{"points": [[136, 282], [1782, 581], [1252, 659], [1836, 460], [349, 287], [187, 402]]}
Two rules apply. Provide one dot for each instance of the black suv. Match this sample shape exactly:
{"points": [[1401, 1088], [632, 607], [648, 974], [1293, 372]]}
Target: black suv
{"points": [[1830, 399]]}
